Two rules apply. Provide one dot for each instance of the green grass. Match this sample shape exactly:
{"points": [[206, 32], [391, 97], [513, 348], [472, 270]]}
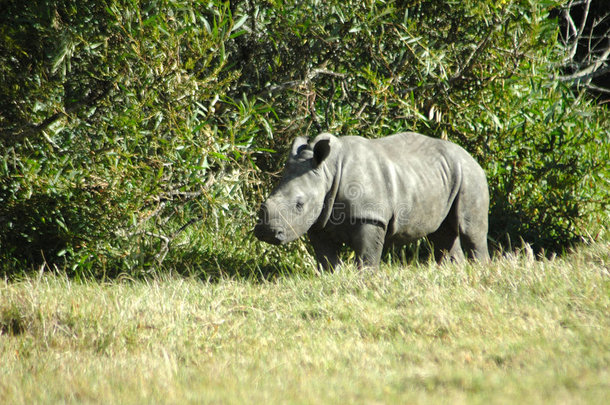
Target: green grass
{"points": [[517, 330]]}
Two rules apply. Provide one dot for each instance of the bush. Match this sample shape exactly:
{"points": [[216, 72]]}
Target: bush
{"points": [[482, 74], [107, 147], [131, 130]]}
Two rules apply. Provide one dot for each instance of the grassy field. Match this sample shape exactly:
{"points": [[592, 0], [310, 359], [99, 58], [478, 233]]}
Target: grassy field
{"points": [[517, 330]]}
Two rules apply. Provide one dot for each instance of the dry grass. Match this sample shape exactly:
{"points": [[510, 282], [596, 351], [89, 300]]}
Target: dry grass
{"points": [[516, 331]]}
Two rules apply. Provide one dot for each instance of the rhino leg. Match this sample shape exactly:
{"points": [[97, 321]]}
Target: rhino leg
{"points": [[367, 240], [326, 250], [472, 217], [446, 241], [476, 245]]}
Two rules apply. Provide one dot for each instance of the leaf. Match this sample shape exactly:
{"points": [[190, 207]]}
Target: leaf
{"points": [[239, 23]]}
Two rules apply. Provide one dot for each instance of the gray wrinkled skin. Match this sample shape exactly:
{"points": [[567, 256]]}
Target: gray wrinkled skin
{"points": [[373, 193]]}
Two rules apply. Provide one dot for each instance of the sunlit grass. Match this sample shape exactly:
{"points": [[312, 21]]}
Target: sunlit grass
{"points": [[517, 330]]}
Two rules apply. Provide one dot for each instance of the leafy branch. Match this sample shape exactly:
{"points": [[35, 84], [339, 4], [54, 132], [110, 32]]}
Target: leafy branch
{"points": [[32, 130]]}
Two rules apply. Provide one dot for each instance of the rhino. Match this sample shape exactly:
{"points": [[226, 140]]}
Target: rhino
{"points": [[371, 194]]}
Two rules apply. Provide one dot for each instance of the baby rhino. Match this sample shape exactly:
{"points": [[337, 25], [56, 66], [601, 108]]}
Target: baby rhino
{"points": [[373, 193]]}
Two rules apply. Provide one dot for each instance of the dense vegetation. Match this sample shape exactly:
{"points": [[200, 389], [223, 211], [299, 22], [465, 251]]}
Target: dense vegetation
{"points": [[139, 134]]}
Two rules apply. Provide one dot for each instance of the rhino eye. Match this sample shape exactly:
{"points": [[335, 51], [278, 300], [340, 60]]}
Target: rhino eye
{"points": [[299, 206]]}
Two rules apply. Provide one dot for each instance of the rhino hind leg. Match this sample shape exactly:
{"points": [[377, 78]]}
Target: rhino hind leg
{"points": [[472, 216], [476, 245], [446, 240]]}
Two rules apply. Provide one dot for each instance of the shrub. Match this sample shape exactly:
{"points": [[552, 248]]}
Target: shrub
{"points": [[131, 130], [107, 149], [482, 74]]}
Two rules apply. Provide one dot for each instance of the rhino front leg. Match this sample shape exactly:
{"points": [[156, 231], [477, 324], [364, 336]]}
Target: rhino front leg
{"points": [[367, 241], [326, 250]]}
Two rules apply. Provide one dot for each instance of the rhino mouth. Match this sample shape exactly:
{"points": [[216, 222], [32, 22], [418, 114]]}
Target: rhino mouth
{"points": [[269, 235]]}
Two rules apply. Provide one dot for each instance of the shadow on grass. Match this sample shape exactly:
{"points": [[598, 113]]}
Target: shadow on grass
{"points": [[252, 260], [217, 266]]}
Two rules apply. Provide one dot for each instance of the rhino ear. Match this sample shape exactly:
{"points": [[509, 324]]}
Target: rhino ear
{"points": [[321, 151], [298, 145]]}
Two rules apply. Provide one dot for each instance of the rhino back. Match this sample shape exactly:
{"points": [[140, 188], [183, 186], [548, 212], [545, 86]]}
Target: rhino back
{"points": [[406, 181]]}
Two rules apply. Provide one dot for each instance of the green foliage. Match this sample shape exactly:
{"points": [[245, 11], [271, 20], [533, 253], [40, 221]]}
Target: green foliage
{"points": [[131, 130], [481, 74], [107, 142]]}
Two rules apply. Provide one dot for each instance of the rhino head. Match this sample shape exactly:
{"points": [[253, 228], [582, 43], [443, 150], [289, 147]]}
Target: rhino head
{"points": [[297, 202]]}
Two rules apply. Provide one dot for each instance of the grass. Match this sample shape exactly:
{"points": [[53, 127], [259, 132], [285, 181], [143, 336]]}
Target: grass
{"points": [[517, 330]]}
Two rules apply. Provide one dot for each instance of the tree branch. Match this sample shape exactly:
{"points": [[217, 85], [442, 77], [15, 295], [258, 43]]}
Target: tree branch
{"points": [[595, 69], [30, 130], [587, 57], [293, 84]]}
